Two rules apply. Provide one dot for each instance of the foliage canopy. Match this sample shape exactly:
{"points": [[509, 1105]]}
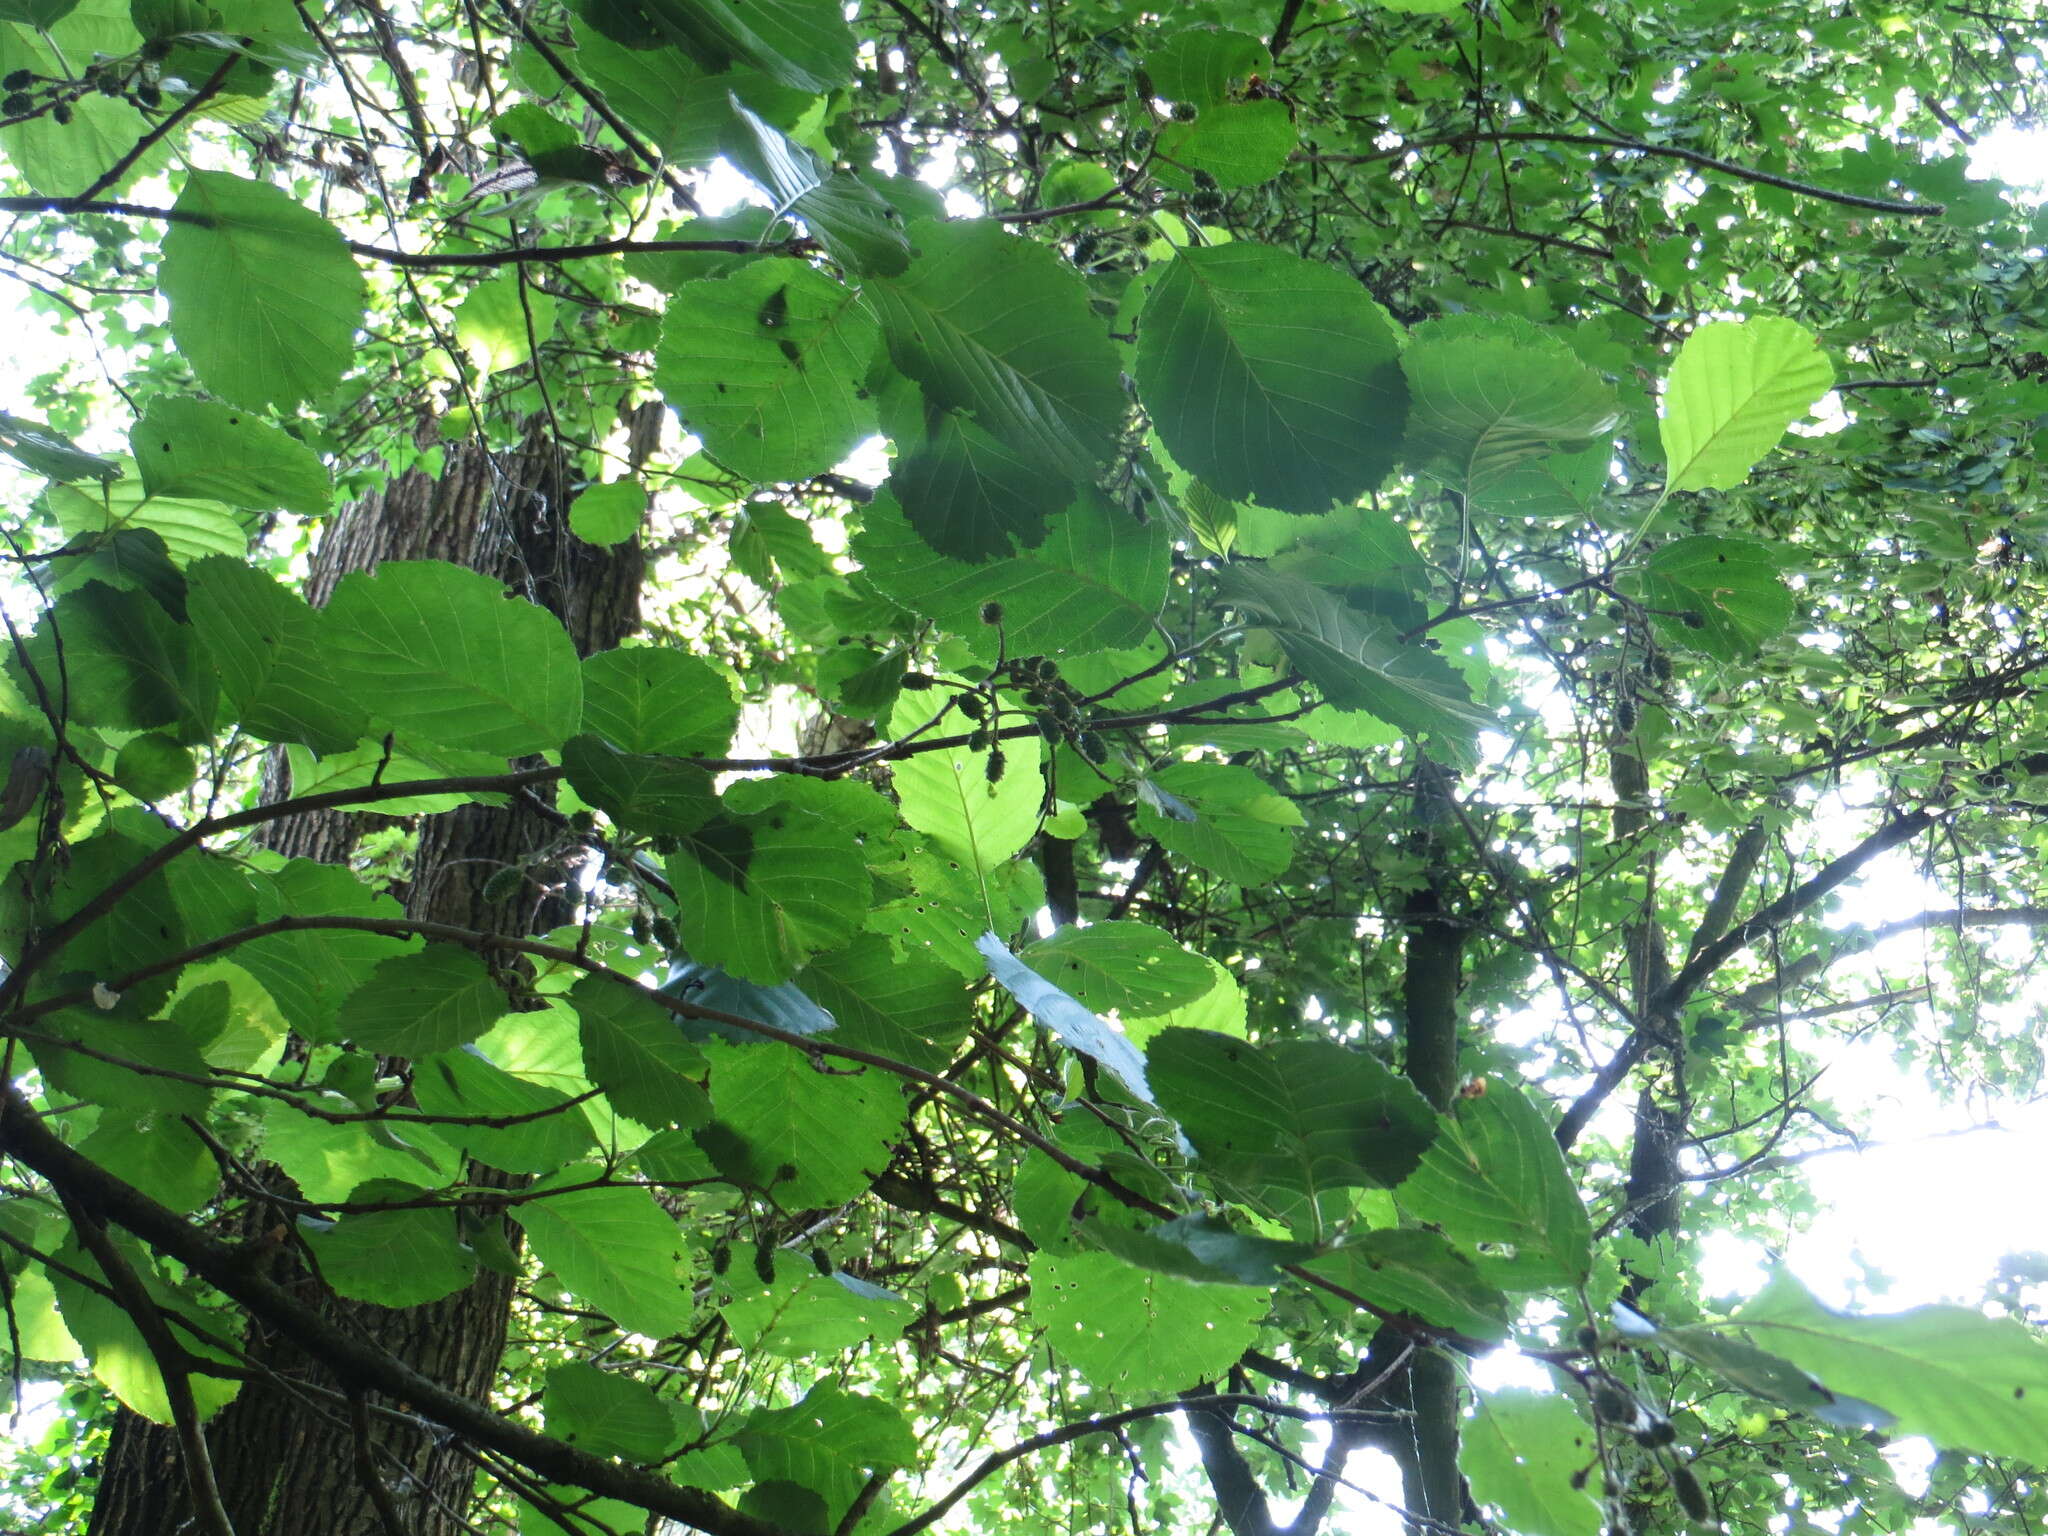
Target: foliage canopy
{"points": [[1215, 776]]}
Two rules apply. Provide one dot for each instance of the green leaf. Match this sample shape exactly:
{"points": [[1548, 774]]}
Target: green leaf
{"points": [[608, 514], [188, 529], [1271, 376], [635, 1051], [607, 1413], [1488, 393], [199, 449], [1239, 143], [947, 794], [759, 892], [1734, 389], [1763, 1375], [309, 974], [120, 1358], [1731, 584], [1000, 328], [803, 1312], [152, 767], [1228, 820], [768, 365], [50, 454], [442, 652], [1413, 1270], [1204, 65], [1964, 1380], [140, 1065], [124, 663], [1291, 1122], [1093, 584], [62, 159], [858, 227], [1524, 1452], [403, 1258], [273, 665], [264, 297], [329, 1162], [162, 1157], [418, 1004], [687, 113], [970, 495], [639, 791], [830, 1443], [1495, 1175], [1356, 661], [542, 1132], [617, 1250], [1198, 1248], [1138, 1333], [1133, 968], [834, 1128], [661, 701], [908, 1007], [805, 44], [503, 321]]}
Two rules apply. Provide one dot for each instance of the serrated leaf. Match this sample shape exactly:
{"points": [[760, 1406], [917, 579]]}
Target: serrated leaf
{"points": [[1271, 376], [1221, 817], [1198, 1248], [1094, 583], [641, 792], [201, 449], [422, 1003], [50, 454], [802, 1312], [833, 1128], [502, 322], [857, 226], [264, 297], [1964, 1380], [1524, 1452], [1000, 328], [443, 652], [649, 699], [760, 891], [607, 1413], [1205, 65], [1135, 1332], [1356, 661], [636, 1052], [947, 794], [1412, 1270], [1238, 143], [1489, 393], [608, 514], [1131, 967], [805, 44], [1731, 584], [1495, 1175], [615, 1249], [768, 365], [830, 1443], [1291, 1123], [1734, 389], [266, 642], [403, 1258]]}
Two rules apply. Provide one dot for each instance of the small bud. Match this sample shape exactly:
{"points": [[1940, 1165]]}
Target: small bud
{"points": [[641, 926], [1625, 715], [917, 682], [60, 112], [148, 96], [981, 739], [995, 765], [1657, 1432], [972, 705], [785, 1173], [821, 1261], [1183, 112], [721, 1258], [18, 80], [1093, 747], [764, 1263], [1693, 619], [1589, 1338], [991, 613], [504, 884], [16, 105], [1611, 1405]]}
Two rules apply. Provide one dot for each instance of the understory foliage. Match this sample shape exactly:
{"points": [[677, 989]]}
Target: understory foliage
{"points": [[1276, 647]]}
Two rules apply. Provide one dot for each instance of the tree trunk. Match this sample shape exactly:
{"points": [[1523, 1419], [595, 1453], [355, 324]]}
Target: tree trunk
{"points": [[289, 1462]]}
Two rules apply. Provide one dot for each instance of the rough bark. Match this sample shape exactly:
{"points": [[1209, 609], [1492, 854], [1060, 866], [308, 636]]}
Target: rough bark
{"points": [[288, 1461]]}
